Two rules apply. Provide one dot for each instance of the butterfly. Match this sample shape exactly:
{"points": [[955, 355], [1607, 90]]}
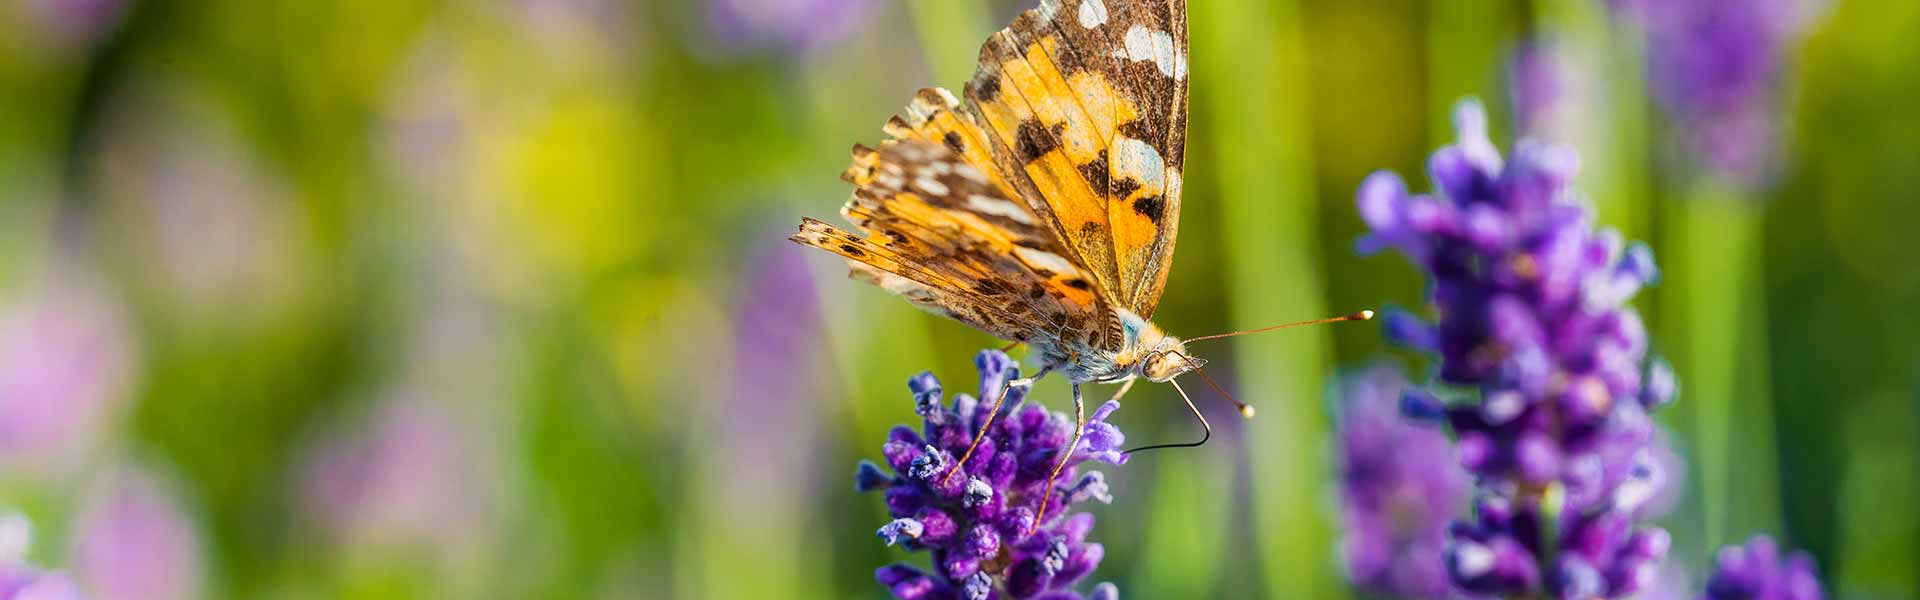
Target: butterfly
{"points": [[1041, 205]]}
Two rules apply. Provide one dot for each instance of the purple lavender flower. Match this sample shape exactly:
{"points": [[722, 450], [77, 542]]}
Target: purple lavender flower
{"points": [[977, 527], [22, 581], [1399, 487], [1551, 365], [1716, 67], [1755, 572]]}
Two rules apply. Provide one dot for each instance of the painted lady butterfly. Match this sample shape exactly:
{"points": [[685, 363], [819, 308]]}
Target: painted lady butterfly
{"points": [[1043, 208]]}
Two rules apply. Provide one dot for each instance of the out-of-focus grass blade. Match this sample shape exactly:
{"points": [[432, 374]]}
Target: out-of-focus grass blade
{"points": [[1714, 305], [1182, 553], [1467, 46], [1248, 101], [1882, 458]]}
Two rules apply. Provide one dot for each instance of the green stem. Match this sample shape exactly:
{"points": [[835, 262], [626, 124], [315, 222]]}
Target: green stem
{"points": [[1187, 523]]}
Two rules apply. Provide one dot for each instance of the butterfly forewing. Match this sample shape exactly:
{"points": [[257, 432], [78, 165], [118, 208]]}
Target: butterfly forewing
{"points": [[1089, 99]]}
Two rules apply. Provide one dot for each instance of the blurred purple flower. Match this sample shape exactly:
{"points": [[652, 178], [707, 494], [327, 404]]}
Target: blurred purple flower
{"points": [[976, 526], [776, 331], [1716, 67], [1534, 323], [21, 581], [406, 478], [782, 27], [1552, 91], [65, 357], [1399, 487], [1755, 572], [132, 541]]}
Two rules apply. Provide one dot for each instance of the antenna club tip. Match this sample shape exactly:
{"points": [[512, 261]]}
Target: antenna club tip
{"points": [[1363, 315], [1246, 411]]}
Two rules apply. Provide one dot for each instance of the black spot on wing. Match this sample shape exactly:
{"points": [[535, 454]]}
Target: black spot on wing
{"points": [[986, 86], [1151, 207], [952, 139], [1124, 187], [1095, 172], [1034, 140]]}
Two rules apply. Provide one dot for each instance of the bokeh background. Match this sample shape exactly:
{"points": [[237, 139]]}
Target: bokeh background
{"points": [[491, 298]]}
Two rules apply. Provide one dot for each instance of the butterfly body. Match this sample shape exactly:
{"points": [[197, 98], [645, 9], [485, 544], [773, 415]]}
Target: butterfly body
{"points": [[1143, 352]]}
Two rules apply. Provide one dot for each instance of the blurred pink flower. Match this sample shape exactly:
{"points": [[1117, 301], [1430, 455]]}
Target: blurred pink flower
{"points": [[404, 478], [133, 541], [65, 357]]}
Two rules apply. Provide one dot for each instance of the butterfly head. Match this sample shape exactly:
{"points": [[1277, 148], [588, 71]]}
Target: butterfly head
{"points": [[1168, 359]]}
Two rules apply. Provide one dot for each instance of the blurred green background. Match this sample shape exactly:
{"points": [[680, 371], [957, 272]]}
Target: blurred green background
{"points": [[424, 299]]}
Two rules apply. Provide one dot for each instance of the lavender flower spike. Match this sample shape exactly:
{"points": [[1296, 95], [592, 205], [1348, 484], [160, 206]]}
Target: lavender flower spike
{"points": [[1551, 364], [1755, 572], [976, 527]]}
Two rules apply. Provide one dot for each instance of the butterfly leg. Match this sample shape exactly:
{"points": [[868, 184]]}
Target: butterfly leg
{"points": [[1124, 387], [1024, 383], [1079, 427]]}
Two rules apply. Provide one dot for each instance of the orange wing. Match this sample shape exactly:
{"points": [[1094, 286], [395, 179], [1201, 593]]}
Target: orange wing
{"points": [[939, 233]]}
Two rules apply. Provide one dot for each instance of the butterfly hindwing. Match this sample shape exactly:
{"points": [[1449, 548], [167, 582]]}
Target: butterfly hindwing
{"points": [[942, 234]]}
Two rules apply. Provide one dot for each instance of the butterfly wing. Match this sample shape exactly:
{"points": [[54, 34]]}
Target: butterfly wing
{"points": [[1079, 112], [940, 233], [1083, 104]]}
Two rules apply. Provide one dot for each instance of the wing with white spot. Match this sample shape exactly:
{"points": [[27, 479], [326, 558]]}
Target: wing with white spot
{"points": [[940, 233]]}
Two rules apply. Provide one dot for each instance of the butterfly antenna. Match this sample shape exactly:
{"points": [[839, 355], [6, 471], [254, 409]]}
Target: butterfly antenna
{"points": [[1245, 410], [1359, 316], [1196, 414]]}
